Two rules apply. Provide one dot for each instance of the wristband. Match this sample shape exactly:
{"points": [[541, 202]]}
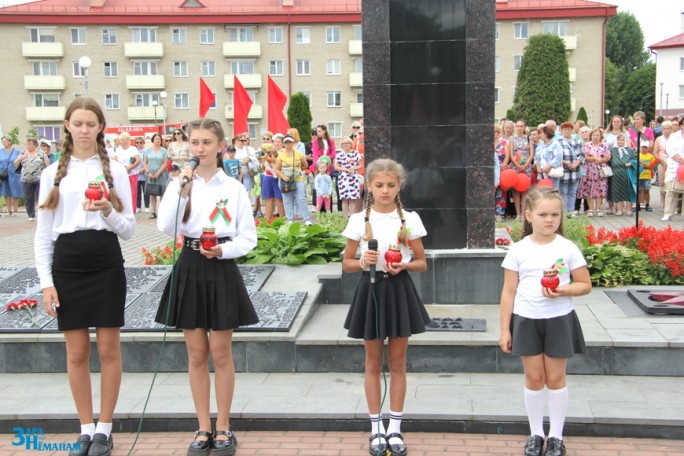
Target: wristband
{"points": [[362, 264], [108, 211]]}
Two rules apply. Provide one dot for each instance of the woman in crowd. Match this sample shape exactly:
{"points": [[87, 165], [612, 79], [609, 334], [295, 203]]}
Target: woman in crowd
{"points": [[128, 156], [321, 145], [32, 162], [289, 168], [593, 187], [621, 190], [507, 130], [178, 151], [573, 156], [520, 161], [640, 128], [347, 164], [269, 181], [660, 152], [46, 149], [616, 127], [142, 201], [156, 172], [675, 159], [550, 154], [502, 157], [10, 181]]}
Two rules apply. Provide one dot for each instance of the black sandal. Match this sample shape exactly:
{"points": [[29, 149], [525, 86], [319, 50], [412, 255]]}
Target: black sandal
{"points": [[379, 448], [226, 447], [154, 215], [398, 449], [201, 447]]}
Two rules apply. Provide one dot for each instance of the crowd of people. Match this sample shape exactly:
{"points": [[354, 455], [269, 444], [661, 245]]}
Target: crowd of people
{"points": [[602, 171]]}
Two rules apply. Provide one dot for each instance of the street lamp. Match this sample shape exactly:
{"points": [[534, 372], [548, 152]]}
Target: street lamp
{"points": [[84, 62], [607, 118], [154, 103], [661, 98], [163, 96]]}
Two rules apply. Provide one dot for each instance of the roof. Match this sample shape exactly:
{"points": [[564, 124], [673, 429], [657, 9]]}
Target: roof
{"points": [[550, 9], [673, 42]]}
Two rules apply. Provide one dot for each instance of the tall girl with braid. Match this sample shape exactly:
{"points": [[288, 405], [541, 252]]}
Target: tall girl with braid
{"points": [[80, 265], [400, 311]]}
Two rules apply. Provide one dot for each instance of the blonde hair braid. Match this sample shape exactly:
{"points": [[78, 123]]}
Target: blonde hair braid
{"points": [[369, 229], [403, 233], [107, 173]]}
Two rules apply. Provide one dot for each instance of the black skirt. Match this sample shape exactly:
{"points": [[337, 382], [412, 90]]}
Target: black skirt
{"points": [[400, 310], [89, 276], [209, 294], [558, 337]]}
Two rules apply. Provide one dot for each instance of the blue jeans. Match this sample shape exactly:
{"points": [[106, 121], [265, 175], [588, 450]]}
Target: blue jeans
{"points": [[556, 182], [568, 190], [30, 190], [295, 203]]}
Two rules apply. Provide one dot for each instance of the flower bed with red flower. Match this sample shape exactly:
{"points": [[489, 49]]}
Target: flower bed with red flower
{"points": [[25, 308], [163, 255]]}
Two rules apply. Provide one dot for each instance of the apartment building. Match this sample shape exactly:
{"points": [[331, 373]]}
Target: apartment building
{"points": [[669, 96]]}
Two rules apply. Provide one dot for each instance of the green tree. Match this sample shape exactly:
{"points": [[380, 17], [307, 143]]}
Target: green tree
{"points": [[582, 115], [542, 90], [299, 114], [14, 135], [625, 43], [511, 115], [32, 133], [639, 93], [612, 96]]}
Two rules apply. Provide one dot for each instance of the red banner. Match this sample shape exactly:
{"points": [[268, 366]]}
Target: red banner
{"points": [[241, 106], [277, 122], [206, 98]]}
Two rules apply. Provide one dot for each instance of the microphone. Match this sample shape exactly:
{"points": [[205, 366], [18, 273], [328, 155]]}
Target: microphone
{"points": [[372, 245], [194, 163]]}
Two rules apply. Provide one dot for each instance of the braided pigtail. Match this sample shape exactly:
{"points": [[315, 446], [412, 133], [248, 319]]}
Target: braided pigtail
{"points": [[107, 173], [369, 204], [403, 236], [52, 200], [186, 214]]}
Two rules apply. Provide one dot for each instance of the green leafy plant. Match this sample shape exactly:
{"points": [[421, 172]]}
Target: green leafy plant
{"points": [[614, 265], [334, 222]]}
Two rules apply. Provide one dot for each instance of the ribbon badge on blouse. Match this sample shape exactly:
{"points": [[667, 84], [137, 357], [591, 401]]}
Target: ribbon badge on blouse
{"points": [[220, 211]]}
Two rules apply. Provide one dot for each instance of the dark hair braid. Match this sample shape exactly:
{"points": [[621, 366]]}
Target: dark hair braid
{"points": [[369, 229], [52, 200]]}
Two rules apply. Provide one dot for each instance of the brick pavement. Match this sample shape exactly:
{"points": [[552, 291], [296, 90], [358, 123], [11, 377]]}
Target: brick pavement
{"points": [[356, 444]]}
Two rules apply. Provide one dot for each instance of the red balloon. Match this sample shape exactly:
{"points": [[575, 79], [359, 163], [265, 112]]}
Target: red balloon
{"points": [[545, 183], [680, 173], [522, 182], [508, 178]]}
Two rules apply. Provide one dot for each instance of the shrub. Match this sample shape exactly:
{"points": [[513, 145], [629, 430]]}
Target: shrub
{"points": [[163, 255], [614, 265]]}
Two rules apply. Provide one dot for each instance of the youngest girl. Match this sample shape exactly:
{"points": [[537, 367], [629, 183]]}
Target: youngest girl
{"points": [[323, 185], [539, 323]]}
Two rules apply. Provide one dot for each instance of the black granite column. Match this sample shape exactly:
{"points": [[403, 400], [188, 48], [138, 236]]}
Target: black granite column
{"points": [[429, 104]]}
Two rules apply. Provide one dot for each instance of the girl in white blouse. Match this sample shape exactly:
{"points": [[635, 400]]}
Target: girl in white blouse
{"points": [[207, 294], [79, 261]]}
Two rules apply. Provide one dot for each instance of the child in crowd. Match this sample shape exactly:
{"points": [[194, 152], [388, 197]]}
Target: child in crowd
{"points": [[323, 184], [232, 165], [391, 307], [207, 297], [539, 323], [647, 161]]}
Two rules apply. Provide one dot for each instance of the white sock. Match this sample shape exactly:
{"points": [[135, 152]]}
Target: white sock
{"points": [[103, 428], [534, 404], [88, 429], [394, 427], [377, 426], [558, 408]]}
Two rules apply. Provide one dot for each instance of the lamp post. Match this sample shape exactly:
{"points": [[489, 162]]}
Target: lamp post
{"points": [[84, 62], [154, 104], [607, 118], [163, 96], [661, 98]]}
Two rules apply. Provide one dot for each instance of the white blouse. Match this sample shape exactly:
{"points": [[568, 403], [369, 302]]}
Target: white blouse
{"points": [[124, 156], [222, 202], [69, 216]]}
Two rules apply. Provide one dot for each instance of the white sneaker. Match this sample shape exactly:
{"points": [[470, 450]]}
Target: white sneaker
{"points": [[308, 223], [31, 219], [665, 218], [147, 209]]}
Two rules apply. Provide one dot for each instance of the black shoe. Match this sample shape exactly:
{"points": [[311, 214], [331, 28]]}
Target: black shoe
{"points": [[81, 446], [534, 446], [554, 447], [379, 448], [226, 447], [397, 449], [200, 447], [101, 445], [649, 208]]}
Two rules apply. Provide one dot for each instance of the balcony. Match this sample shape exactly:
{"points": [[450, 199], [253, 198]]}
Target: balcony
{"points": [[42, 50], [573, 74], [148, 82], [356, 79], [570, 42], [44, 82], [45, 113], [256, 112], [242, 49], [356, 110], [143, 50], [355, 47], [248, 81], [146, 113]]}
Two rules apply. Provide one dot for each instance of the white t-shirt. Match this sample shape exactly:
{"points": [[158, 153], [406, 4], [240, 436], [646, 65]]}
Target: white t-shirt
{"points": [[385, 230], [124, 156], [530, 260]]}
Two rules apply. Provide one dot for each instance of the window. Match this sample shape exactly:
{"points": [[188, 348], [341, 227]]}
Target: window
{"points": [[45, 99], [332, 34], [179, 35], [241, 67], [144, 34], [516, 62], [303, 67], [335, 129], [497, 30], [180, 69], [112, 101], [496, 63], [109, 36], [681, 64], [275, 35], [334, 99], [49, 132], [78, 35], [520, 30], [111, 69], [252, 129], [42, 35], [302, 35], [240, 34], [359, 97], [144, 68], [181, 100], [496, 94], [78, 72], [275, 67], [46, 68], [207, 35], [358, 65], [332, 66], [208, 68], [555, 28], [146, 99], [681, 91], [358, 35]]}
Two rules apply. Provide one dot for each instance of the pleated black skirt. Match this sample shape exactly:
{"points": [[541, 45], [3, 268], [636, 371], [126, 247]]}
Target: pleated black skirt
{"points": [[400, 310], [558, 337], [209, 294], [89, 276]]}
